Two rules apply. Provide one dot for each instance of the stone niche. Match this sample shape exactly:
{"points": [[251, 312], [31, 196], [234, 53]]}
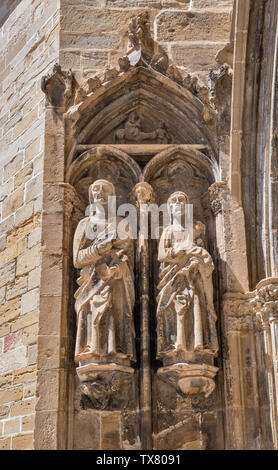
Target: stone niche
{"points": [[146, 365]]}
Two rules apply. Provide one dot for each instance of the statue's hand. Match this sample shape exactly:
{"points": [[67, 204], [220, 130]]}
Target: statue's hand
{"points": [[104, 272], [178, 252], [104, 246]]}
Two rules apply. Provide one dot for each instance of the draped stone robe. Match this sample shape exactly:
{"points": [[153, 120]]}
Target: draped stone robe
{"points": [[185, 314], [105, 297]]}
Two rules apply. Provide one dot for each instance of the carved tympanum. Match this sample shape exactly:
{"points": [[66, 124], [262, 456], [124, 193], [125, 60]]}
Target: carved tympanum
{"points": [[186, 319], [133, 133], [105, 297]]}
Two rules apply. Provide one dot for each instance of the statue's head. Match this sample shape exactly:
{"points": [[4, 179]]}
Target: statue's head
{"points": [[100, 191], [144, 193], [133, 116], [177, 203]]}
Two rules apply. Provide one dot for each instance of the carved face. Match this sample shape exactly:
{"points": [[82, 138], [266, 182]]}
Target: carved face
{"points": [[177, 204], [144, 193], [100, 191], [133, 117]]}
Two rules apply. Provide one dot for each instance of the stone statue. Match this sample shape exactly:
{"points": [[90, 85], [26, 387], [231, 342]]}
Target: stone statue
{"points": [[103, 251], [185, 315]]}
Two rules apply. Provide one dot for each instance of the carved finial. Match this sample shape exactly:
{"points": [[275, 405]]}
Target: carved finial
{"points": [[58, 87], [109, 74], [124, 64]]}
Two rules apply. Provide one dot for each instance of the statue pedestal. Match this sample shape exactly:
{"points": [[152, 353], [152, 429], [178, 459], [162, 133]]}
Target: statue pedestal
{"points": [[90, 372], [106, 386], [190, 379]]}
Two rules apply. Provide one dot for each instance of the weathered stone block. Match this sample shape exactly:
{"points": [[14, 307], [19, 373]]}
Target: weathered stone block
{"points": [[48, 352], [30, 334], [6, 189], [34, 188], [203, 4], [5, 444], [12, 426], [3, 244], [50, 306], [110, 432], [6, 380], [89, 41], [9, 311], [87, 430], [52, 274], [34, 278], [104, 21], [48, 390], [25, 124], [29, 301], [17, 288], [13, 166], [4, 411], [7, 273], [33, 149], [38, 164], [12, 341], [32, 354], [29, 390], [11, 394], [23, 442], [23, 407], [28, 260], [24, 213], [155, 4], [192, 26], [12, 360], [195, 57], [25, 375], [28, 423], [25, 320], [13, 202], [23, 176], [94, 59], [70, 59]]}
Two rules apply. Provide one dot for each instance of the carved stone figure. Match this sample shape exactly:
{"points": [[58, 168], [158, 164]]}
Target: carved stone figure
{"points": [[185, 315], [103, 251], [132, 132]]}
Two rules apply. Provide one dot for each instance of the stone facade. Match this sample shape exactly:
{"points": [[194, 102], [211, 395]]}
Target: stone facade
{"points": [[156, 97]]}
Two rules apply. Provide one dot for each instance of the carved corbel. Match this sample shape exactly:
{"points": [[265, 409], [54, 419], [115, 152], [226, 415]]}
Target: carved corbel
{"points": [[215, 196], [58, 87]]}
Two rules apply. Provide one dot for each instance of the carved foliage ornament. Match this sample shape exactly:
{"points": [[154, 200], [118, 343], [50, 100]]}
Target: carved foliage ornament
{"points": [[216, 196], [265, 303]]}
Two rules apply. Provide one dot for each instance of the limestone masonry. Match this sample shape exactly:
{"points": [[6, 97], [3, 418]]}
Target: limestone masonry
{"points": [[123, 344]]}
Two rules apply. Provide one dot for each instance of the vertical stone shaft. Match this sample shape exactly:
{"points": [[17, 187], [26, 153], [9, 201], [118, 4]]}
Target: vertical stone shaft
{"points": [[270, 335], [145, 359]]}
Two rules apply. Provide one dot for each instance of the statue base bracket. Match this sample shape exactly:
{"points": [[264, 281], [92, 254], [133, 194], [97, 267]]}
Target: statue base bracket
{"points": [[190, 379], [106, 386]]}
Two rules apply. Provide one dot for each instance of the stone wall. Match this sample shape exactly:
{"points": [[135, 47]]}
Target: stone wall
{"points": [[192, 32], [28, 48]]}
